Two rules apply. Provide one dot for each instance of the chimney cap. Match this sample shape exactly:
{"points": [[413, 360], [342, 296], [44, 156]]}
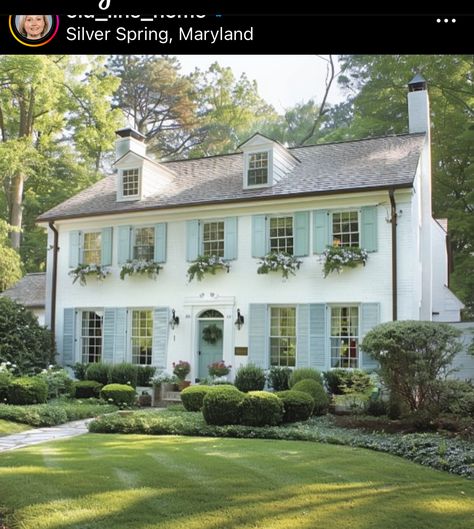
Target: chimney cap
{"points": [[128, 132], [417, 83]]}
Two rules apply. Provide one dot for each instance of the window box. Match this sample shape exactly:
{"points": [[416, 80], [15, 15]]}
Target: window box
{"points": [[336, 258], [142, 267], [206, 264], [279, 261], [83, 271]]}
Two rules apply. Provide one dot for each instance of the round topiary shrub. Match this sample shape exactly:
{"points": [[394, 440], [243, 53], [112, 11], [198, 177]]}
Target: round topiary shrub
{"points": [[298, 406], [120, 394], [304, 373], [250, 378], [86, 389], [261, 408], [193, 396], [27, 390], [222, 405], [316, 390]]}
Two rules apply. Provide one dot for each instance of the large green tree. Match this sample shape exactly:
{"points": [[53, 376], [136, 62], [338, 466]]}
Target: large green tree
{"points": [[379, 83], [10, 265]]}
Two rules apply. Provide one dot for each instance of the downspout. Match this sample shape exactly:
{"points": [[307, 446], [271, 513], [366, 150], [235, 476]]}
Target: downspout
{"points": [[393, 222], [52, 323]]}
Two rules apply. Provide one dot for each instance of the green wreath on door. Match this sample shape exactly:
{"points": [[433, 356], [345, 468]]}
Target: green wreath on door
{"points": [[212, 333]]}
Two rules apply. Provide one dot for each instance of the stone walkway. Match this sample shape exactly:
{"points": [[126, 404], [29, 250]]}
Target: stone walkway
{"points": [[41, 435]]}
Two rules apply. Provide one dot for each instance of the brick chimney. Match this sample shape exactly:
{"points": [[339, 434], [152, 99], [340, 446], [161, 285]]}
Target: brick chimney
{"points": [[418, 105]]}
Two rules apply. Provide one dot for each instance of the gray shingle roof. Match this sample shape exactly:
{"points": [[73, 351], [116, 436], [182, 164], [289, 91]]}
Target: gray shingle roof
{"points": [[30, 291], [323, 169]]}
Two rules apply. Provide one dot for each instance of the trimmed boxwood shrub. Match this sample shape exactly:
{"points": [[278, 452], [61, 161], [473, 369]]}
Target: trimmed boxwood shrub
{"points": [[261, 408], [123, 374], [5, 379], [316, 390], [99, 372], [27, 390], [304, 373], [193, 396], [86, 389], [250, 378], [120, 394], [298, 406], [222, 405]]}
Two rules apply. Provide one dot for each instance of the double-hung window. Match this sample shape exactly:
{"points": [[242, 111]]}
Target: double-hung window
{"points": [[144, 243], [130, 183], [346, 228], [213, 238], [91, 336], [281, 234], [283, 336], [142, 336], [345, 336], [257, 170], [91, 248]]}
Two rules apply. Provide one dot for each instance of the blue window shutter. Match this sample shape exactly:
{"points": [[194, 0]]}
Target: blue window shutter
{"points": [[160, 242], [106, 247], [302, 336], [321, 230], [192, 240], [124, 244], [114, 335], [69, 336], [230, 238], [74, 248], [301, 231], [318, 342], [369, 318], [161, 319], [258, 335], [259, 235], [368, 229]]}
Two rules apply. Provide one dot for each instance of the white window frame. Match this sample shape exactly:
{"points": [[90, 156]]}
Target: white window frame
{"points": [[80, 336], [134, 236], [201, 235], [82, 240], [130, 335], [280, 216], [270, 336], [341, 211], [269, 182], [358, 337], [123, 197]]}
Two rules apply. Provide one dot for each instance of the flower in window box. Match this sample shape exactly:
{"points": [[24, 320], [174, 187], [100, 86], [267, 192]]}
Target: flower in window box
{"points": [[279, 261], [82, 271], [206, 264], [140, 266], [337, 257]]}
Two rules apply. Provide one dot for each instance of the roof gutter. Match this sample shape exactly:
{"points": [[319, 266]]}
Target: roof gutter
{"points": [[393, 222], [52, 323]]}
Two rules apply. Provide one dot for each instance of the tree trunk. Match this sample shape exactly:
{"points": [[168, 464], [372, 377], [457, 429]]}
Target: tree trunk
{"points": [[16, 212]]}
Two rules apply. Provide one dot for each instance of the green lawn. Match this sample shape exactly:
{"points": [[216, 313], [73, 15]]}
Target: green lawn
{"points": [[140, 482], [8, 427]]}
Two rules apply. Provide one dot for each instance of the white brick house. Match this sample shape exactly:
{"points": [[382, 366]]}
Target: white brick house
{"points": [[373, 193]]}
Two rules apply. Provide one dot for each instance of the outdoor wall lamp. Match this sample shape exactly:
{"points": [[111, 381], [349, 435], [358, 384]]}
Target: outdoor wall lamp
{"points": [[240, 320], [174, 319]]}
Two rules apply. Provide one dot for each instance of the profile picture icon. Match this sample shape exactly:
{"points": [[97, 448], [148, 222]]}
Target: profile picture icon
{"points": [[34, 30]]}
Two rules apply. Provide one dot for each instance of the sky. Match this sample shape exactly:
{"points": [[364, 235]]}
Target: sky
{"points": [[283, 80]]}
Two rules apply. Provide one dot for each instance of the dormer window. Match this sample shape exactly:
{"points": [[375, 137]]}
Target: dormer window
{"points": [[257, 172], [130, 183]]}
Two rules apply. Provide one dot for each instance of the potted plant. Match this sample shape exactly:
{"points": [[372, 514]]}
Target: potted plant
{"points": [[182, 369], [219, 369], [82, 271], [279, 261], [337, 257], [142, 267], [206, 264]]}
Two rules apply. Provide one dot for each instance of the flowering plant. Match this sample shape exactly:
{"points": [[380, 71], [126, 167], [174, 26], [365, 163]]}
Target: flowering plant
{"points": [[140, 266], [218, 369], [337, 257], [163, 378], [83, 270], [207, 264], [181, 369], [275, 261]]}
